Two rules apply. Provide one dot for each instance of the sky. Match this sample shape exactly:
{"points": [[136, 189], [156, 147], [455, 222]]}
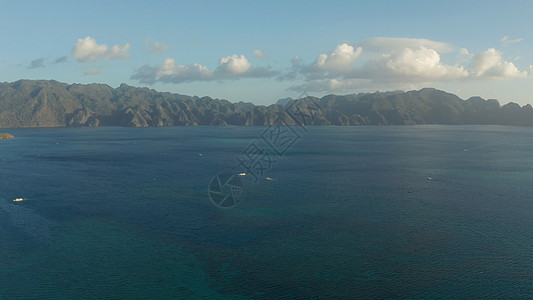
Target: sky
{"points": [[261, 51]]}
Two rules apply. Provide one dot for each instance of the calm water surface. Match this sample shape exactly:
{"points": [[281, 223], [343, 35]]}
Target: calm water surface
{"points": [[368, 212]]}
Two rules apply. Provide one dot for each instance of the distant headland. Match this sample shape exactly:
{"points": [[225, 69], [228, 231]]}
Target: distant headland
{"points": [[5, 136], [49, 103]]}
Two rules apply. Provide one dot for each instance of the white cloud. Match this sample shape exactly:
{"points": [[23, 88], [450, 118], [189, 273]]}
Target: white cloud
{"points": [[185, 72], [464, 56], [169, 71], [230, 67], [259, 53], [92, 72], [87, 50], [408, 66], [397, 61], [377, 62], [340, 59], [233, 65], [506, 41], [490, 64], [423, 64]]}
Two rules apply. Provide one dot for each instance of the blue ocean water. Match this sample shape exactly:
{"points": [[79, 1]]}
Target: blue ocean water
{"points": [[350, 212]]}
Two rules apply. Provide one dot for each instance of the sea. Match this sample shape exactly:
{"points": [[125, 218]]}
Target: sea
{"points": [[379, 212]]}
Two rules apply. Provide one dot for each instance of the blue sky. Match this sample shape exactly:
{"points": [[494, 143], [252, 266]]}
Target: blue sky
{"points": [[261, 51]]}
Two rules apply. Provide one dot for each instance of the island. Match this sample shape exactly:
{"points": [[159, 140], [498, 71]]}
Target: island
{"points": [[5, 136], [49, 103]]}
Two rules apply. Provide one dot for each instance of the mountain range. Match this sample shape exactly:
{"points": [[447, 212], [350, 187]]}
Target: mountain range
{"points": [[49, 103]]}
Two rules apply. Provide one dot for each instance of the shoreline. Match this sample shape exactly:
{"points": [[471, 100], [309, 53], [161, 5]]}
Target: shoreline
{"points": [[4, 136]]}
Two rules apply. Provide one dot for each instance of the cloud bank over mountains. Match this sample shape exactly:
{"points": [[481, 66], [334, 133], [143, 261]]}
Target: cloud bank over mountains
{"points": [[375, 62], [386, 61]]}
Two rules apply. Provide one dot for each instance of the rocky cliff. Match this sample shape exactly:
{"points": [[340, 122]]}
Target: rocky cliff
{"points": [[41, 103]]}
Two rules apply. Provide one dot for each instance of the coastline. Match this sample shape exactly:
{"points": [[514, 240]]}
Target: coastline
{"points": [[4, 136]]}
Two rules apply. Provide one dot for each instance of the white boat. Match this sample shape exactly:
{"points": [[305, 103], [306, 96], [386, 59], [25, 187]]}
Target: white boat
{"points": [[242, 174], [18, 199]]}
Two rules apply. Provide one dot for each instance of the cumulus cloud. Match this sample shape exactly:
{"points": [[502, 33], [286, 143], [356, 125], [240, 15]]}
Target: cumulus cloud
{"points": [[229, 67], [405, 60], [36, 63], [87, 50], [92, 72], [233, 65], [392, 61], [506, 41], [259, 53], [340, 59], [422, 64], [169, 71], [464, 56], [491, 64], [377, 62]]}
